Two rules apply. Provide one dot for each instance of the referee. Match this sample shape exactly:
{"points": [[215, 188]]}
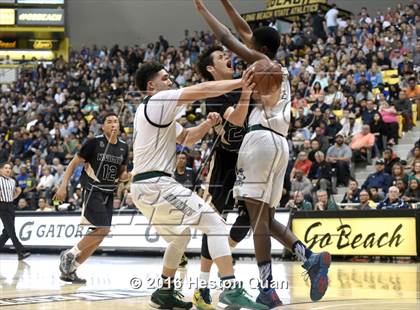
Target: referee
{"points": [[9, 191]]}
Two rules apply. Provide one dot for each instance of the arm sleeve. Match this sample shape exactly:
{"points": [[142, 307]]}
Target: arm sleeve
{"points": [[87, 149], [162, 107]]}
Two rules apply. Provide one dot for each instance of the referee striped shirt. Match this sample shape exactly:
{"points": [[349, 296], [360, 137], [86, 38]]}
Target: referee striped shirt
{"points": [[7, 189]]}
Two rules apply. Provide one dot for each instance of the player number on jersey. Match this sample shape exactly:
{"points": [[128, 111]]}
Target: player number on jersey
{"points": [[109, 173]]}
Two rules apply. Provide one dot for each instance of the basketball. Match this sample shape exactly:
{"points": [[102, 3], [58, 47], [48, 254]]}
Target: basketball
{"points": [[268, 76]]}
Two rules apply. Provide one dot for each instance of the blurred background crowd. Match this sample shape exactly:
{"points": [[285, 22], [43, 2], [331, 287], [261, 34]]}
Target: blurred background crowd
{"points": [[355, 94]]}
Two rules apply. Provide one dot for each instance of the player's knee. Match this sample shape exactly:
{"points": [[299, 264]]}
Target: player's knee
{"points": [[238, 233], [176, 249]]}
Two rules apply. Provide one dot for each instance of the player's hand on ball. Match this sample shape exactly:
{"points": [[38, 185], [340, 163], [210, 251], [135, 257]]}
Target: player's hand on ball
{"points": [[247, 81], [61, 194], [214, 118]]}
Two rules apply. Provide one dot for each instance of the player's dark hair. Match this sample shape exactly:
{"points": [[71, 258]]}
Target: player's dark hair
{"points": [[267, 39], [109, 114], [147, 72], [206, 59]]}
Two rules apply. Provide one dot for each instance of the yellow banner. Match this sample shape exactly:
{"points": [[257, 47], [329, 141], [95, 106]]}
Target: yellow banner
{"points": [[5, 44], [359, 236], [7, 16], [281, 4], [43, 44]]}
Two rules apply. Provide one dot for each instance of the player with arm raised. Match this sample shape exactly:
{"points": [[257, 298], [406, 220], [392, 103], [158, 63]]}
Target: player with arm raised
{"points": [[264, 155], [170, 207]]}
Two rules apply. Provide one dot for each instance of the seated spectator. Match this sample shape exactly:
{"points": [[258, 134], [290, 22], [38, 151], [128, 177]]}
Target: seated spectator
{"points": [[376, 195], [398, 172], [352, 128], [389, 116], [298, 202], [46, 183], [399, 183], [377, 128], [412, 194], [301, 183], [339, 157], [43, 206], [324, 144], [315, 147], [183, 174], [415, 173], [390, 159], [379, 179], [362, 144], [392, 201], [403, 107], [413, 90], [22, 205], [413, 157], [302, 163], [325, 203], [333, 127], [320, 173], [369, 112], [76, 198], [352, 194], [365, 202], [316, 92], [375, 75], [300, 134]]}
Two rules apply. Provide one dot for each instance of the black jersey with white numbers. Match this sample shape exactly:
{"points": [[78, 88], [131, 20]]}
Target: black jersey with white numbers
{"points": [[103, 163]]}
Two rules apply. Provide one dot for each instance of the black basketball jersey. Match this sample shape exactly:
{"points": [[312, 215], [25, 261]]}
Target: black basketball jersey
{"points": [[103, 163], [231, 136]]}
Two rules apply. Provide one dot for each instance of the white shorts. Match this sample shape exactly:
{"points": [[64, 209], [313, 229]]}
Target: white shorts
{"points": [[261, 168], [171, 208]]}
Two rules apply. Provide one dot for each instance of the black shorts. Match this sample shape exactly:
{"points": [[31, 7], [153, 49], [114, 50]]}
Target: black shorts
{"points": [[223, 177], [98, 207]]}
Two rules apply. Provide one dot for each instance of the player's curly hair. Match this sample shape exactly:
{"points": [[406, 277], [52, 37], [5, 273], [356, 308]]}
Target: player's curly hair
{"points": [[205, 59], [266, 40], [145, 73]]}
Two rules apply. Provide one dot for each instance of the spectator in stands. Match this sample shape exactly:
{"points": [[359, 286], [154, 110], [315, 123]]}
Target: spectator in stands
{"points": [[399, 183], [375, 75], [364, 93], [369, 112], [413, 90], [128, 203], [315, 147], [298, 202], [352, 194], [392, 201], [183, 174], [302, 184], [380, 179], [362, 144], [316, 92], [322, 139], [403, 107], [46, 183], [376, 195], [413, 157], [325, 203], [43, 206], [352, 128], [320, 173], [76, 198], [339, 157], [377, 128], [365, 202], [22, 205], [332, 128], [303, 164], [389, 116], [415, 173], [412, 194], [390, 159], [331, 20], [398, 172]]}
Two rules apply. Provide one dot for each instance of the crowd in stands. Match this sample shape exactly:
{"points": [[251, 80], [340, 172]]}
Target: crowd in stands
{"points": [[355, 92]]}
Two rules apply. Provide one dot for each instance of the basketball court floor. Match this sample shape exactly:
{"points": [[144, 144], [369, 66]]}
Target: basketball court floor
{"points": [[118, 282]]}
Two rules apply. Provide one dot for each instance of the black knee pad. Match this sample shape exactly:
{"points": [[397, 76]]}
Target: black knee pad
{"points": [[242, 225], [205, 248]]}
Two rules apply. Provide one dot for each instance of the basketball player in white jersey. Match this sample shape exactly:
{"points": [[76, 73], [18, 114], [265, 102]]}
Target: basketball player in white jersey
{"points": [[264, 156], [170, 207]]}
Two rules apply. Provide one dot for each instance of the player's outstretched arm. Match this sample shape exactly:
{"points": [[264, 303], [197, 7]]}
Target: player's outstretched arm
{"points": [[190, 136], [224, 35], [238, 22], [212, 89], [62, 189]]}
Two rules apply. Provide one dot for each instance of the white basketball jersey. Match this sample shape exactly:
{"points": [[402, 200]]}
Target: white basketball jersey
{"points": [[155, 132], [276, 117]]}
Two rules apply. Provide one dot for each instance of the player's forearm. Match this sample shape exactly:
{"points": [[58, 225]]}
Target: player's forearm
{"points": [[238, 115], [238, 22], [197, 133], [208, 90]]}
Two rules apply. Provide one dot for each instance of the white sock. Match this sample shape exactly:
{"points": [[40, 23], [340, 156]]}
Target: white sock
{"points": [[74, 250], [204, 279]]}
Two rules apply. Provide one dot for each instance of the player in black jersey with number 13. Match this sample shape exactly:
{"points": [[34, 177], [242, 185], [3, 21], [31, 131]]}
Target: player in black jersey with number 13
{"points": [[105, 160]]}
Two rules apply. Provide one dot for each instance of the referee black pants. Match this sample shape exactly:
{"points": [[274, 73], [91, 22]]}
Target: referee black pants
{"points": [[7, 215]]}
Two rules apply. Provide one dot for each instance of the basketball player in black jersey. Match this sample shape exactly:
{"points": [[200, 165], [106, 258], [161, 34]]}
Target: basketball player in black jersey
{"points": [[214, 65], [105, 160]]}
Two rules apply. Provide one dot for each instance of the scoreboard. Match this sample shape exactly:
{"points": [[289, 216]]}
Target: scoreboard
{"points": [[33, 29]]}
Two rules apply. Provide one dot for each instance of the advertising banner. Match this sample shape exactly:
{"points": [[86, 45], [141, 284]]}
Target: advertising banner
{"points": [[394, 236], [40, 17], [129, 232]]}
